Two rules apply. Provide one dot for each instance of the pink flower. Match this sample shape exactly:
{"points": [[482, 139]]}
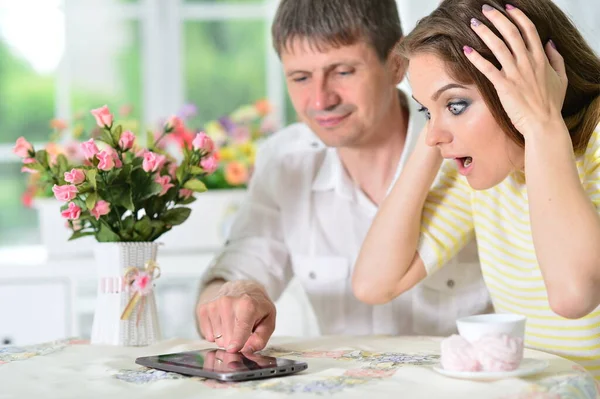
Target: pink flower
{"points": [[126, 140], [115, 156], [28, 161], [106, 161], [162, 160], [203, 142], [27, 198], [209, 164], [175, 123], [75, 225], [22, 148], [173, 170], [162, 144], [241, 134], [165, 183], [72, 212], [153, 162], [64, 193], [75, 176], [125, 110], [74, 152], [185, 193], [101, 208], [89, 149], [103, 116], [142, 283]]}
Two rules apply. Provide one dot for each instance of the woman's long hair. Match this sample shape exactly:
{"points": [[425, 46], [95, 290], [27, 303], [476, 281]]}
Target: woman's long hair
{"points": [[447, 29]]}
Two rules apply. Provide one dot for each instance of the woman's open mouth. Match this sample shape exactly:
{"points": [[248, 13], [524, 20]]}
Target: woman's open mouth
{"points": [[465, 164]]}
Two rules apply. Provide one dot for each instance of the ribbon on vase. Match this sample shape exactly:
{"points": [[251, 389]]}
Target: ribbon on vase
{"points": [[140, 282]]}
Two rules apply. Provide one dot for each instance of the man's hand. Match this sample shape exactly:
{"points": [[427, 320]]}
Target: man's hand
{"points": [[240, 318]]}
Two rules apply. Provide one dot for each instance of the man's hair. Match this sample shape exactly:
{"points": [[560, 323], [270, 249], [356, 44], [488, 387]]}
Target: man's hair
{"points": [[446, 30], [337, 23]]}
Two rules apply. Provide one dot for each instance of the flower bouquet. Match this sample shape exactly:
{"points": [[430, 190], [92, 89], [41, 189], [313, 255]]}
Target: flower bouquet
{"points": [[236, 138], [129, 196], [64, 144]]}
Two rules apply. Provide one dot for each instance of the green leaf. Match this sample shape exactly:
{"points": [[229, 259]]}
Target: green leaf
{"points": [[176, 216], [197, 170], [85, 188], [127, 232], [144, 228], [91, 177], [116, 134], [143, 186], [107, 138], [187, 153], [128, 223], [63, 164], [35, 166], [90, 201], [158, 228], [180, 172], [105, 234], [42, 157], [78, 201], [123, 196], [195, 185], [79, 234], [124, 173], [150, 140], [186, 201], [137, 162]]}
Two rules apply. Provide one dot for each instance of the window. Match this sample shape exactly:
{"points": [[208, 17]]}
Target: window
{"points": [[153, 56], [28, 71]]}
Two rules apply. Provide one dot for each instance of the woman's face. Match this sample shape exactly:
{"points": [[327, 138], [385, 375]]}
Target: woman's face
{"points": [[461, 125]]}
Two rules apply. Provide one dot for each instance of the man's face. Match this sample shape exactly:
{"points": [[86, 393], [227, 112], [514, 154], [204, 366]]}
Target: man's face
{"points": [[343, 93]]}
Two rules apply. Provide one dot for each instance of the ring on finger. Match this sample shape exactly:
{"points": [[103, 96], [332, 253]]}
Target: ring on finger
{"points": [[218, 336]]}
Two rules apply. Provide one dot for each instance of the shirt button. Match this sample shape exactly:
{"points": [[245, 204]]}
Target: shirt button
{"points": [[312, 275], [450, 283], [314, 144]]}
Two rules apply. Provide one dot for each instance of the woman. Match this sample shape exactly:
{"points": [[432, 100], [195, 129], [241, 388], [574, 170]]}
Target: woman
{"points": [[512, 97]]}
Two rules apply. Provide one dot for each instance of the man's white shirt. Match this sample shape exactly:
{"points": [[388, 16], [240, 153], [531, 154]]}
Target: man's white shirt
{"points": [[304, 217]]}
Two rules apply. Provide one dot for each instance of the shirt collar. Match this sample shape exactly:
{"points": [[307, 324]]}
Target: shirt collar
{"points": [[333, 176]]}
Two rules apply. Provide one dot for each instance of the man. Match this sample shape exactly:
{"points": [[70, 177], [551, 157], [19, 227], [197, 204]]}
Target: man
{"points": [[317, 185]]}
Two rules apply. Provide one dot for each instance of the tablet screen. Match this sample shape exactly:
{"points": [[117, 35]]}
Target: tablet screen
{"points": [[220, 360]]}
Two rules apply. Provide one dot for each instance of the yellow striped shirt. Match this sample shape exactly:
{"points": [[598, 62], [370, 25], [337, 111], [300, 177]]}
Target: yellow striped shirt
{"points": [[499, 217]]}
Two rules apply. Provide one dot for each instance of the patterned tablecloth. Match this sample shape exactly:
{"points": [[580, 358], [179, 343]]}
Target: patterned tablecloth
{"points": [[340, 367]]}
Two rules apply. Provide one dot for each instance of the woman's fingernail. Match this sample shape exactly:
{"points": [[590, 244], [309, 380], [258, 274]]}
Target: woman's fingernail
{"points": [[475, 22], [487, 7], [467, 49], [509, 7], [552, 44]]}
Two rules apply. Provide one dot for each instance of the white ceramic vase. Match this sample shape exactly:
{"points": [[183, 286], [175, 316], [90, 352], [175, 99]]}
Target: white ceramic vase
{"points": [[113, 260]]}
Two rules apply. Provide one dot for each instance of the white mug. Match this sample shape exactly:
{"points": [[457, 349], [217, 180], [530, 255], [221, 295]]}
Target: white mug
{"points": [[473, 328]]}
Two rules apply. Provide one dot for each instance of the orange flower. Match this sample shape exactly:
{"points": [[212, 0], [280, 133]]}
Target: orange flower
{"points": [[54, 150], [58, 124], [236, 173], [263, 107]]}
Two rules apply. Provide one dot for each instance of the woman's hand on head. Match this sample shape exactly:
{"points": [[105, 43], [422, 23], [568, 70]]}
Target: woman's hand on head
{"points": [[532, 82]]}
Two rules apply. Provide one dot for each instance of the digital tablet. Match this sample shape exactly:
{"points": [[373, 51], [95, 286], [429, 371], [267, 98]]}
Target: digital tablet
{"points": [[219, 365]]}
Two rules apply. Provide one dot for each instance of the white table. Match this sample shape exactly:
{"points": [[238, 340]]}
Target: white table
{"points": [[341, 367]]}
